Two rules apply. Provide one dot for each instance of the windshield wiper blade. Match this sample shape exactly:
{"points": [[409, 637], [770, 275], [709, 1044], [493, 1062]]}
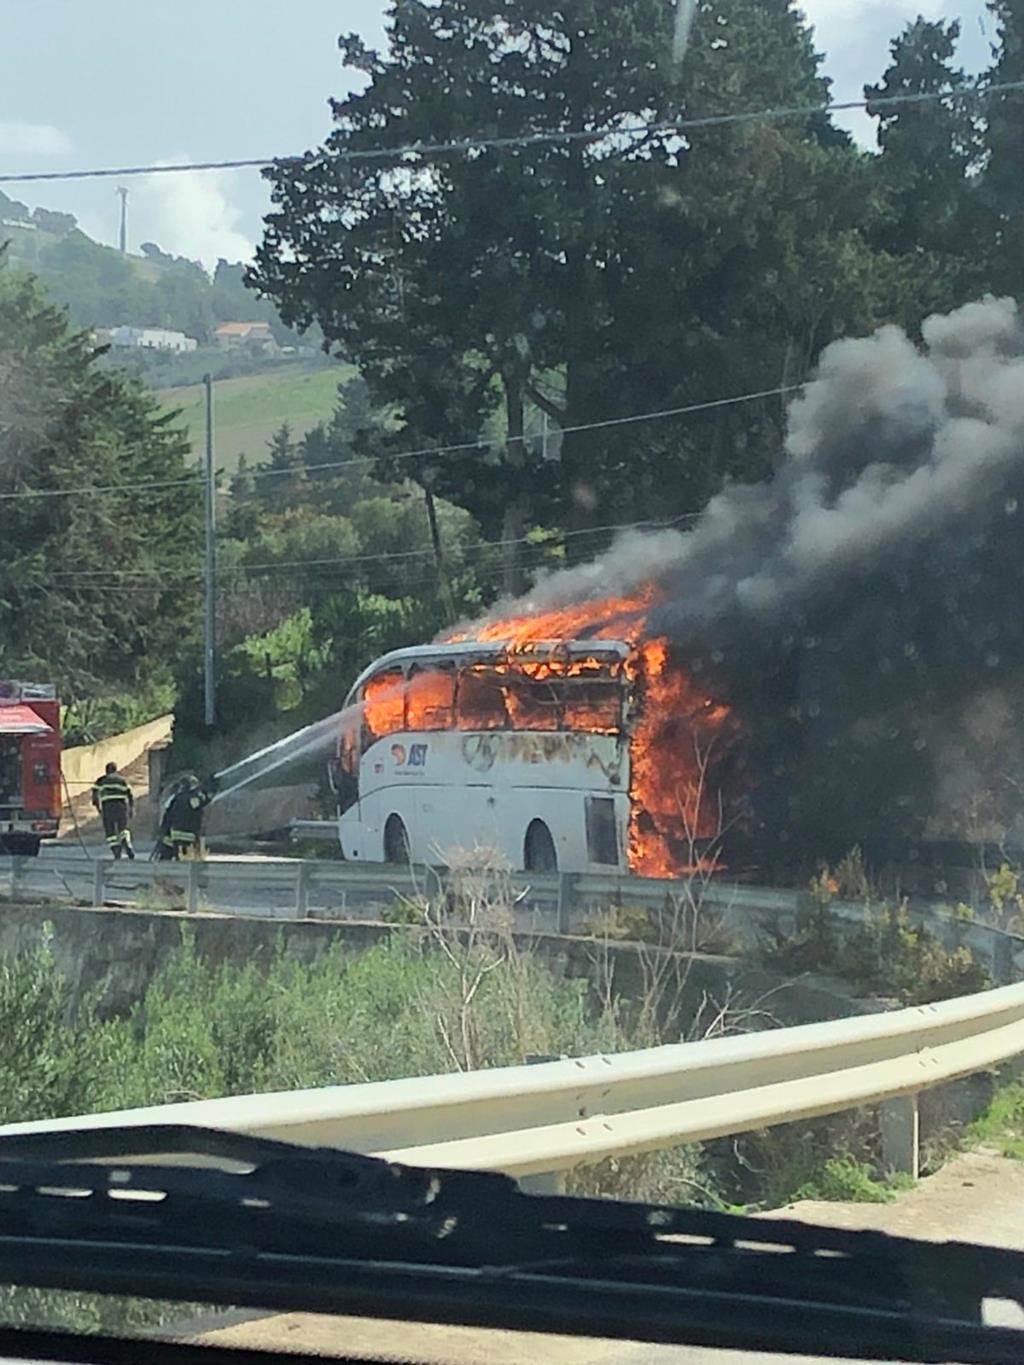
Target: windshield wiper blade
{"points": [[265, 1224]]}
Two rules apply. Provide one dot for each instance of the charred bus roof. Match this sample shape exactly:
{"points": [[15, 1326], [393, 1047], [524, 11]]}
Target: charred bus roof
{"points": [[489, 652]]}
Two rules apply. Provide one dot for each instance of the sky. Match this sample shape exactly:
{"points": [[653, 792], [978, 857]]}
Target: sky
{"points": [[97, 83]]}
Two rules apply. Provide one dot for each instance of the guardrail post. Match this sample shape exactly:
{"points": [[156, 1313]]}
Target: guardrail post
{"points": [[900, 1135], [302, 881], [1002, 959], [192, 886], [566, 887], [544, 1182], [99, 872]]}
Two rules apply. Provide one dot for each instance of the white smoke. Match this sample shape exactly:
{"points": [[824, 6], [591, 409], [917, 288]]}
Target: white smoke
{"points": [[191, 214]]}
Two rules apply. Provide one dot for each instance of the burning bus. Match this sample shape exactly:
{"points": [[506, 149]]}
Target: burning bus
{"points": [[584, 751]]}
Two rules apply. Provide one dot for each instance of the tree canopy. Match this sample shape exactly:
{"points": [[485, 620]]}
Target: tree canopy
{"points": [[584, 278], [100, 522]]}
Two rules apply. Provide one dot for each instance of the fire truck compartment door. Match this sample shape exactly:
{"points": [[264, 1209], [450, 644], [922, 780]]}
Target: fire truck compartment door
{"points": [[22, 720]]}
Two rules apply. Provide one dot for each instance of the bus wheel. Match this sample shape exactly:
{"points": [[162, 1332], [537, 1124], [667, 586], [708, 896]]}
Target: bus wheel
{"points": [[539, 853], [396, 841]]}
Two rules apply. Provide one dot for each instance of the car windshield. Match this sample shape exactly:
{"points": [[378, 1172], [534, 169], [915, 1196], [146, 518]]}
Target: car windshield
{"points": [[511, 661]]}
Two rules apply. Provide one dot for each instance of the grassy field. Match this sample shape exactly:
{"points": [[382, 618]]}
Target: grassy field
{"points": [[247, 411]]}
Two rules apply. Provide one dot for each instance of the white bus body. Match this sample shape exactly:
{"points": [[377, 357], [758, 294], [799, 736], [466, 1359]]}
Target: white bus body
{"points": [[541, 778]]}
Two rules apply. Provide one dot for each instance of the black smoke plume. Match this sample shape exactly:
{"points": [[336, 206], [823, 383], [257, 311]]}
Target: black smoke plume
{"points": [[858, 609]]}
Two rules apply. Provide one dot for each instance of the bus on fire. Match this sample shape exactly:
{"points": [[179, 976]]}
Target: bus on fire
{"points": [[529, 751]]}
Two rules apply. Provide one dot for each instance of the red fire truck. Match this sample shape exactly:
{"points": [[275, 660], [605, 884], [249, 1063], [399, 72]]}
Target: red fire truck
{"points": [[30, 799]]}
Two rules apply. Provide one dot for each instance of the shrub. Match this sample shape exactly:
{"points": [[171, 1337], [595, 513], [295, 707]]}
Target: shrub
{"points": [[844, 1179], [885, 955], [55, 1056], [1002, 1123]]}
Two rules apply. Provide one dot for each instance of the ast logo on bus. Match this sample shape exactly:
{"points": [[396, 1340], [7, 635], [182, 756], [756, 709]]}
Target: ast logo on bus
{"points": [[415, 757]]}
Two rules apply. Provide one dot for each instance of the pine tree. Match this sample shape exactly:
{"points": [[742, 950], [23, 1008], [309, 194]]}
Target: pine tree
{"points": [[588, 278], [97, 588], [930, 154], [1003, 182]]}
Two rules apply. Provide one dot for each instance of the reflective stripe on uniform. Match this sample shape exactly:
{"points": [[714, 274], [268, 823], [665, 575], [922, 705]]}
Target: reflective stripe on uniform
{"points": [[182, 836]]}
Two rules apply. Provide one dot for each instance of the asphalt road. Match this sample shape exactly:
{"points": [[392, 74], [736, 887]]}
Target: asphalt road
{"points": [[249, 884], [65, 871]]}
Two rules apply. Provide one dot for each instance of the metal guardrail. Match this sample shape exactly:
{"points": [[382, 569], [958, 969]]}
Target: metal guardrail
{"points": [[293, 888], [551, 1117]]}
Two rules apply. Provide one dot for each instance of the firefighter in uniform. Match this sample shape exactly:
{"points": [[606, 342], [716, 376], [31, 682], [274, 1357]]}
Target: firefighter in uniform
{"points": [[113, 798], [181, 829]]}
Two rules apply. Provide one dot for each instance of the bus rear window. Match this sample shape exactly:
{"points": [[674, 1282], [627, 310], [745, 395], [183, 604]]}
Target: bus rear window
{"points": [[430, 700], [595, 706], [384, 704], [480, 704]]}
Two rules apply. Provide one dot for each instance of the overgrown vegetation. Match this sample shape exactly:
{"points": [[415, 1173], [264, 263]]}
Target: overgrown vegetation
{"points": [[844, 1179], [883, 953], [407, 1007], [1002, 1123], [453, 998]]}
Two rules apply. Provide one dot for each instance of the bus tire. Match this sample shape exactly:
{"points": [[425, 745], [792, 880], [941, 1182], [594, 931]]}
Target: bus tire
{"points": [[396, 841], [539, 852]]}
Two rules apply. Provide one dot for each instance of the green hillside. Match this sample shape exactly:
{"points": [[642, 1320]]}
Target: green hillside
{"points": [[151, 288], [247, 411]]}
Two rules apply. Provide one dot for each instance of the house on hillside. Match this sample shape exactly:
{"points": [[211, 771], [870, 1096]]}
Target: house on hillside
{"points": [[247, 336], [151, 339]]}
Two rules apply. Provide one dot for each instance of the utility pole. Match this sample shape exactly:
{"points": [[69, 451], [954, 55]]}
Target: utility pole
{"points": [[210, 633], [124, 220], [685, 12]]}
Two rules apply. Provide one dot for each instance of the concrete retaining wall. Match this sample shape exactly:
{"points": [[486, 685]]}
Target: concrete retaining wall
{"points": [[116, 953], [83, 764]]}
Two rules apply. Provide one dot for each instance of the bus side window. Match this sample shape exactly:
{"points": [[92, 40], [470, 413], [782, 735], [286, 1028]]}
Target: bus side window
{"points": [[348, 745], [383, 705], [430, 699], [480, 700], [534, 702]]}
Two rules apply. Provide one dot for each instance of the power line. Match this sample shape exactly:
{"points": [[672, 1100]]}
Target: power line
{"points": [[89, 489], [464, 446], [109, 577], [423, 453], [479, 144]]}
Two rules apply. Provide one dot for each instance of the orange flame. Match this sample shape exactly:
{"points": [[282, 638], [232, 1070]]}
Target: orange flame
{"points": [[676, 735], [676, 813], [612, 618]]}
